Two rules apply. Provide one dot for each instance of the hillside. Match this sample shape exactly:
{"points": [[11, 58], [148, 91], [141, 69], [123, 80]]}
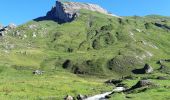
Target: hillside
{"points": [[79, 55]]}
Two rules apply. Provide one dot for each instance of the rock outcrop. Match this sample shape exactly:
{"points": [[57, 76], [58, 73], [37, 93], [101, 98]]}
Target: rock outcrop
{"points": [[1, 26], [68, 11], [4, 30], [141, 84], [11, 26]]}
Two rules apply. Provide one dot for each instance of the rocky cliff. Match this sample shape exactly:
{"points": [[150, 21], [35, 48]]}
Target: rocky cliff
{"points": [[67, 11]]}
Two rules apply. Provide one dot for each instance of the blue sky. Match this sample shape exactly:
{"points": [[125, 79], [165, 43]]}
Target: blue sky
{"points": [[21, 11]]}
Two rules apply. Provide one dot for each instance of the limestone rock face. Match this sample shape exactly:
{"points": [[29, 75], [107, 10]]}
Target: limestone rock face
{"points": [[11, 26], [67, 11]]}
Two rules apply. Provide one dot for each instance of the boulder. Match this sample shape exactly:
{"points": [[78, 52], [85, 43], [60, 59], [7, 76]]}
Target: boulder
{"points": [[81, 97], [160, 62], [68, 97], [38, 72], [142, 83], [119, 89], [1, 34], [1, 30], [113, 81], [164, 69], [148, 69]]}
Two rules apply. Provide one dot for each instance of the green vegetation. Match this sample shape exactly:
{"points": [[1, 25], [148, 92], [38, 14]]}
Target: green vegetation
{"points": [[79, 56]]}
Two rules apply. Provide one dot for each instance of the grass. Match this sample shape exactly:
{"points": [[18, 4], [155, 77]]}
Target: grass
{"points": [[24, 85], [100, 46]]}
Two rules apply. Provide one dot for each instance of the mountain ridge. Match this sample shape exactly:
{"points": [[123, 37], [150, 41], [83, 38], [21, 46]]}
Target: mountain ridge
{"points": [[46, 59]]}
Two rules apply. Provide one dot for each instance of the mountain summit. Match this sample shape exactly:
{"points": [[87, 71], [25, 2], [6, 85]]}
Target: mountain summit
{"points": [[67, 11]]}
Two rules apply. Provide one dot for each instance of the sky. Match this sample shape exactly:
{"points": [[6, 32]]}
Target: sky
{"points": [[21, 11]]}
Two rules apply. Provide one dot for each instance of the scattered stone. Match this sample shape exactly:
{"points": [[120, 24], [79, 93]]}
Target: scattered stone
{"points": [[68, 97], [162, 67], [119, 89], [34, 35], [1, 27], [17, 33], [25, 36], [81, 97], [159, 62], [113, 81], [138, 30], [32, 26], [38, 72], [149, 54]]}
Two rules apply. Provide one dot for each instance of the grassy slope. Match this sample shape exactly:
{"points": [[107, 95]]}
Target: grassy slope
{"points": [[96, 44]]}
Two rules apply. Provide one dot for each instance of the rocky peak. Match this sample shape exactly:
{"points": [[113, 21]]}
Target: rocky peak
{"points": [[67, 11]]}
